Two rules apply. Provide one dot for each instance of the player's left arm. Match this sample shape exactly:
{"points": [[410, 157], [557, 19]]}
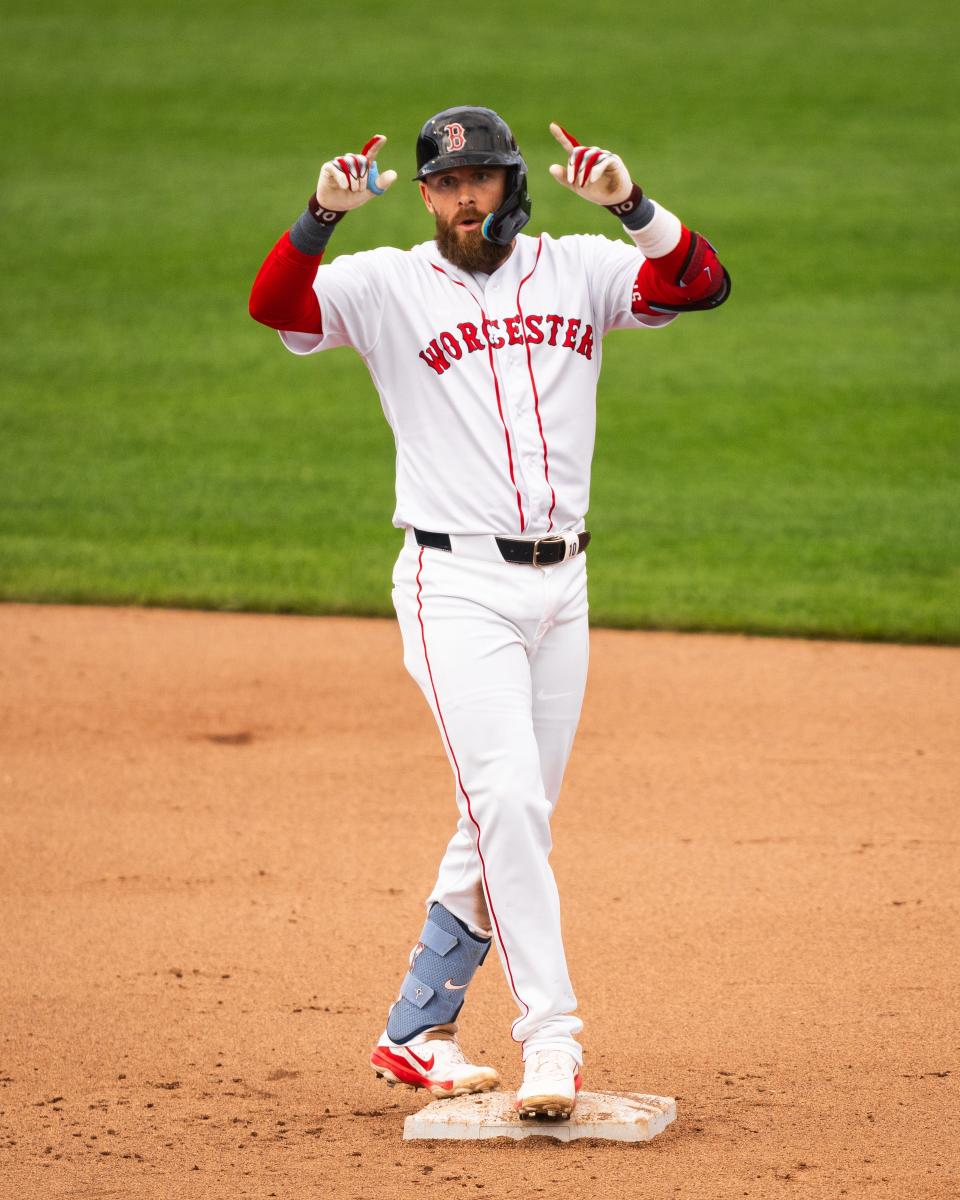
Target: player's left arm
{"points": [[681, 271]]}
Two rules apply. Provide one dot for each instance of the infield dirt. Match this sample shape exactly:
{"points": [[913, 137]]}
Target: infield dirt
{"points": [[217, 831]]}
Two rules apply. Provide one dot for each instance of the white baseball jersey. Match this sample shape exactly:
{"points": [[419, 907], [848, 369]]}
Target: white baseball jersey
{"points": [[488, 381]]}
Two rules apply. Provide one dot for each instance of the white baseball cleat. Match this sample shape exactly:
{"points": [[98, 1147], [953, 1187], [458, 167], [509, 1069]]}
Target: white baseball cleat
{"points": [[433, 1061], [551, 1080]]}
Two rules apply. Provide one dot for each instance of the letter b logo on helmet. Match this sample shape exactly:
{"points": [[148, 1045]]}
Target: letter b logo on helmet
{"points": [[455, 137], [468, 137]]}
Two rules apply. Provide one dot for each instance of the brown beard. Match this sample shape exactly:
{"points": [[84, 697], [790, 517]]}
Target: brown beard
{"points": [[469, 251]]}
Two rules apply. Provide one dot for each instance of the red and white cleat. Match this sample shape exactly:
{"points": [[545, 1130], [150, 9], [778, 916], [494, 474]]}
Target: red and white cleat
{"points": [[433, 1061], [551, 1080]]}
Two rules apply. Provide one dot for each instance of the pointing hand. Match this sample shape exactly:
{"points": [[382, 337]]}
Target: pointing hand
{"points": [[595, 174], [350, 180]]}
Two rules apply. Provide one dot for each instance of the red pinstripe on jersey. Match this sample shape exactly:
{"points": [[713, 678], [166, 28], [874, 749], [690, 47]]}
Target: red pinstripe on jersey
{"points": [[464, 793], [536, 393], [496, 387]]}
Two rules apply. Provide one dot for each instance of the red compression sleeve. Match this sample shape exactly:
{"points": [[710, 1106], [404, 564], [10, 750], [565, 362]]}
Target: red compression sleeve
{"points": [[282, 296], [689, 277]]}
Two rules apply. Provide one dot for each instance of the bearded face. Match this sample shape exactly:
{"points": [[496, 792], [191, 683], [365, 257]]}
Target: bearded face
{"points": [[461, 242], [459, 199]]}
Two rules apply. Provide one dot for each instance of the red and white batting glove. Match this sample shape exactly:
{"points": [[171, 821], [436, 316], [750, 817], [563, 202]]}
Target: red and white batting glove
{"points": [[595, 174], [350, 180]]}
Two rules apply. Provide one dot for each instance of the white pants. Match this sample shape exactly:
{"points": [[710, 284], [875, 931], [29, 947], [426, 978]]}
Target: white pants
{"points": [[500, 652]]}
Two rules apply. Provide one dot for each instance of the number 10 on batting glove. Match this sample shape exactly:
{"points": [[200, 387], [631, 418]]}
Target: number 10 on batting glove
{"points": [[595, 174], [350, 180]]}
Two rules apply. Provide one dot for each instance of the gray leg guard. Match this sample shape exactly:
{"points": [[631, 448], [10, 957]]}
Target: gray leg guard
{"points": [[442, 964]]}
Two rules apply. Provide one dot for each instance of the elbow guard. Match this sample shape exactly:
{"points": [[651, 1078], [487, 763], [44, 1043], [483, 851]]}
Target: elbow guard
{"points": [[701, 282]]}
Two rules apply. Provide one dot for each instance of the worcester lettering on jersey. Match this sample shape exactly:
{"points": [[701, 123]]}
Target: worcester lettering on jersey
{"points": [[550, 329], [508, 451]]}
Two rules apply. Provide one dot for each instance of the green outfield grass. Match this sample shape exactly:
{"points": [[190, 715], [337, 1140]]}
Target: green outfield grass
{"points": [[788, 464]]}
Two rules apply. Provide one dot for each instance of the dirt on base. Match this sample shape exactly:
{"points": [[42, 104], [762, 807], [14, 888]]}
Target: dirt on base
{"points": [[216, 833]]}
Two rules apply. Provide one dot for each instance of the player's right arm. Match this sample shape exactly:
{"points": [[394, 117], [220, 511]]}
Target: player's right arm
{"points": [[283, 295]]}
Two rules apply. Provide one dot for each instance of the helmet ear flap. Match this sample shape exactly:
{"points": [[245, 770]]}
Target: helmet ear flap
{"points": [[503, 225]]}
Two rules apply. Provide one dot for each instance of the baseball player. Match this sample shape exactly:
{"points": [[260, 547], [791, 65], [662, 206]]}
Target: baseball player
{"points": [[484, 344]]}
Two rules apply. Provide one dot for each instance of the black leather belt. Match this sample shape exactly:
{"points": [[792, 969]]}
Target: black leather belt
{"points": [[544, 552]]}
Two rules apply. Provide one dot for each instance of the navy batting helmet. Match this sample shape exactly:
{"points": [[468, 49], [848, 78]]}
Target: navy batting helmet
{"points": [[467, 136]]}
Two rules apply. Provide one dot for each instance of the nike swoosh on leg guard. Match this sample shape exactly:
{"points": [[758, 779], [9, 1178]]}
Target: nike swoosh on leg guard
{"points": [[428, 994]]}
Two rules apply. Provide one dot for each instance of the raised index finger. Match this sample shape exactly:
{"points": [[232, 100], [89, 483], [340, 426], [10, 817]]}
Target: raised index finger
{"points": [[372, 148], [566, 140]]}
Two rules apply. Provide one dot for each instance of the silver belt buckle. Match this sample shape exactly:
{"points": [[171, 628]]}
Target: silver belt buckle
{"points": [[548, 541]]}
